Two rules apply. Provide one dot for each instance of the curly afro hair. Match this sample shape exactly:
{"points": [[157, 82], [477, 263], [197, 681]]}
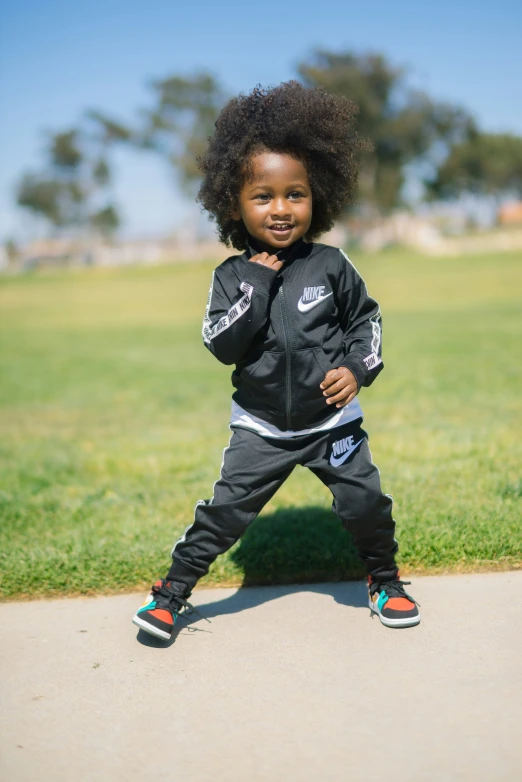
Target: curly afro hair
{"points": [[309, 124]]}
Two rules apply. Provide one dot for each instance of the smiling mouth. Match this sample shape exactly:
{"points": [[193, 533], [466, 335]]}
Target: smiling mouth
{"points": [[280, 228]]}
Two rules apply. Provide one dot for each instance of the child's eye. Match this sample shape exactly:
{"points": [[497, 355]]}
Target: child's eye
{"points": [[296, 194], [262, 197]]}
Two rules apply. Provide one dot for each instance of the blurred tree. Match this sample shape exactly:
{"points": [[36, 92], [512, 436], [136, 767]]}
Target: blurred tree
{"points": [[177, 125], [487, 163], [181, 121], [101, 172], [12, 251], [109, 129], [404, 125], [68, 192], [42, 196], [106, 221], [65, 153]]}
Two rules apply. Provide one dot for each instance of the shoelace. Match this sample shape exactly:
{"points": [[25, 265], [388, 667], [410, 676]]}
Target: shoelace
{"points": [[176, 601], [394, 589]]}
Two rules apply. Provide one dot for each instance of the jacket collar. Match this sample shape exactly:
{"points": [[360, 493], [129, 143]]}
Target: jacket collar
{"points": [[287, 254]]}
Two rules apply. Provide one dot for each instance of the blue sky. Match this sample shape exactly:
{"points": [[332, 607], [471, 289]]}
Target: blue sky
{"points": [[59, 58]]}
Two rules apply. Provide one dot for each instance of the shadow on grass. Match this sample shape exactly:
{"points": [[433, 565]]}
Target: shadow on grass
{"points": [[297, 545], [291, 550]]}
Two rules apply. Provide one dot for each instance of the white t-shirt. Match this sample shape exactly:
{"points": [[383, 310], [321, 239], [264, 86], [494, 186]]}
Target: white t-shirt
{"points": [[244, 420]]}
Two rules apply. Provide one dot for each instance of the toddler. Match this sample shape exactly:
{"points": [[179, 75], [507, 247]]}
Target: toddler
{"points": [[294, 318]]}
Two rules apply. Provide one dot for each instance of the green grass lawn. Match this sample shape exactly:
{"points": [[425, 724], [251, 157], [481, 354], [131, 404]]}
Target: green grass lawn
{"points": [[113, 417]]}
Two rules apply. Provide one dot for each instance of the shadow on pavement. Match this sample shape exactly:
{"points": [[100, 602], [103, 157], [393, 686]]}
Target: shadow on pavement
{"points": [[353, 593], [348, 594]]}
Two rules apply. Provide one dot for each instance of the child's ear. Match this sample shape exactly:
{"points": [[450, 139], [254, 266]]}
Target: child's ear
{"points": [[236, 214]]}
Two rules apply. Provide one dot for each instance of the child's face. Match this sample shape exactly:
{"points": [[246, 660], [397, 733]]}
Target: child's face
{"points": [[276, 201]]}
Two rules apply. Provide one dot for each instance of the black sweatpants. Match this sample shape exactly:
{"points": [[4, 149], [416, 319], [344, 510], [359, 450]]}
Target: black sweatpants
{"points": [[254, 468]]}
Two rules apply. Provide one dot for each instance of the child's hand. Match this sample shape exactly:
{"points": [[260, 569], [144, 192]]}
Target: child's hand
{"points": [[340, 386], [272, 261]]}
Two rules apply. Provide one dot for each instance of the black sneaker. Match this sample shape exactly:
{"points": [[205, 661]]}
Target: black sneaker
{"points": [[159, 612], [392, 605]]}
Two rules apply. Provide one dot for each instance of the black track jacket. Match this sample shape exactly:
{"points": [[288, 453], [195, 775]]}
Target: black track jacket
{"points": [[284, 330]]}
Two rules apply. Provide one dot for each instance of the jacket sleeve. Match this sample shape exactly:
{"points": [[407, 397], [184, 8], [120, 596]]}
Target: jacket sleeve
{"points": [[361, 321], [237, 308]]}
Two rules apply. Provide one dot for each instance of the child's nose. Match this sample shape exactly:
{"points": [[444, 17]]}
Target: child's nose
{"points": [[280, 208]]}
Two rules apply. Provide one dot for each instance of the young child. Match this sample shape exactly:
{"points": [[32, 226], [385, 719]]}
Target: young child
{"points": [[295, 319]]}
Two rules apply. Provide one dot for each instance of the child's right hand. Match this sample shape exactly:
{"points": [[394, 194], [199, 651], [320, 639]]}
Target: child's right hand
{"points": [[272, 261]]}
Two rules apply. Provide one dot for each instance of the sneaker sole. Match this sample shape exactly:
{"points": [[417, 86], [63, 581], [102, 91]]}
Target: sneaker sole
{"points": [[136, 620], [408, 622]]}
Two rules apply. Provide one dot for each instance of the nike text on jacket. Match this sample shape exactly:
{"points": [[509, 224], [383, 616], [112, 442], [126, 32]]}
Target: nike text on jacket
{"points": [[285, 330]]}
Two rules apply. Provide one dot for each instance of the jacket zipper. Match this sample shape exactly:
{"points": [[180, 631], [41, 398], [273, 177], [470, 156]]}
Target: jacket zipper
{"points": [[288, 357]]}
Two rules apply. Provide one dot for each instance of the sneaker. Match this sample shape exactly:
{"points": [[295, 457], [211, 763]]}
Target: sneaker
{"points": [[392, 605], [159, 612]]}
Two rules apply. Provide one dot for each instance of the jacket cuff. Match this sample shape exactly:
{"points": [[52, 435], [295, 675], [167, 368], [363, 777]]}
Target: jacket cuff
{"points": [[357, 368], [260, 276], [364, 370]]}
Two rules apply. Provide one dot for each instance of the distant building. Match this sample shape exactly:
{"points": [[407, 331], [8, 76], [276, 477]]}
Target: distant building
{"points": [[510, 213], [70, 253]]}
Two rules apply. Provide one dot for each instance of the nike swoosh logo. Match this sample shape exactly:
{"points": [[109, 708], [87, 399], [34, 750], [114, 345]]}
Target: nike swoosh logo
{"points": [[337, 461], [302, 307]]}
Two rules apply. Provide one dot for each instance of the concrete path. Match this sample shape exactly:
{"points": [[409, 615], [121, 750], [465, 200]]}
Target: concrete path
{"points": [[287, 683]]}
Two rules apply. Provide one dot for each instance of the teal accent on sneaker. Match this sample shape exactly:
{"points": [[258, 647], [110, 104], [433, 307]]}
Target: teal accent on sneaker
{"points": [[148, 607], [383, 599]]}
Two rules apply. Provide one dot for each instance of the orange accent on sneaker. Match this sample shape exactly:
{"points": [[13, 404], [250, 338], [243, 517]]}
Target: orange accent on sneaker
{"points": [[399, 604], [163, 615]]}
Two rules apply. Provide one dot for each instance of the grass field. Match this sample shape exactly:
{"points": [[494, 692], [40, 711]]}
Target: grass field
{"points": [[113, 417]]}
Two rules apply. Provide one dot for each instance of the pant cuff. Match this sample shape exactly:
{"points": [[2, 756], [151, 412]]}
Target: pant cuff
{"points": [[384, 573], [182, 575]]}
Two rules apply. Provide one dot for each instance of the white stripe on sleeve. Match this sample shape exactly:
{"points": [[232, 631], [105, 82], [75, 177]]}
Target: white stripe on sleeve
{"points": [[210, 331], [376, 333]]}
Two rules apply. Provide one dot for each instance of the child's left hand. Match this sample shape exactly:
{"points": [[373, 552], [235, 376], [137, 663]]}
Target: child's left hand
{"points": [[340, 386]]}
